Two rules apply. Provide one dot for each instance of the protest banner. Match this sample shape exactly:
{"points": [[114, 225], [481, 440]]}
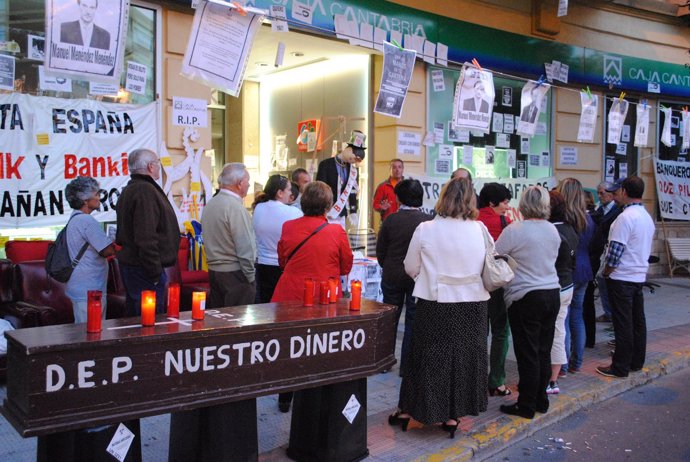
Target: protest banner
{"points": [[673, 188], [47, 142], [433, 186]]}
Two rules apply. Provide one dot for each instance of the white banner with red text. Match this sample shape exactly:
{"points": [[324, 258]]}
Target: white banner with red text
{"points": [[433, 185], [46, 142], [673, 188]]}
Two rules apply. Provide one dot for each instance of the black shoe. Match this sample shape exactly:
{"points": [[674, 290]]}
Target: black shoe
{"points": [[515, 409], [395, 419], [450, 429], [635, 369], [284, 406], [498, 392], [543, 409], [607, 371]]}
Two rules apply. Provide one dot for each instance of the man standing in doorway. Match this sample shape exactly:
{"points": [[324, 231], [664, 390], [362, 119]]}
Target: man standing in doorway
{"points": [[385, 201], [147, 230], [627, 261], [229, 240]]}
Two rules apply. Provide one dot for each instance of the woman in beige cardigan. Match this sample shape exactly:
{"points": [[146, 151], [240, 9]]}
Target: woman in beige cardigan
{"points": [[446, 375]]}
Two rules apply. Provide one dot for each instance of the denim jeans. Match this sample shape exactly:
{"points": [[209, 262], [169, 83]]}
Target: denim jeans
{"points": [[604, 296], [135, 280], [576, 335], [398, 296], [629, 325]]}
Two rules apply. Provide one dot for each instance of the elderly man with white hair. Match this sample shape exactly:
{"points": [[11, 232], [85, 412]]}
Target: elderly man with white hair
{"points": [[229, 240], [147, 230]]}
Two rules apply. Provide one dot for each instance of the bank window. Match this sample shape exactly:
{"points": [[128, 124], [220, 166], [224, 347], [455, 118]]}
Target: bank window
{"points": [[674, 152], [27, 18], [621, 160], [499, 154]]}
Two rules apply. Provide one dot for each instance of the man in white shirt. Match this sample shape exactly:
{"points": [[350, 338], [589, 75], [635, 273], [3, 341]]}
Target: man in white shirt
{"points": [[627, 261]]}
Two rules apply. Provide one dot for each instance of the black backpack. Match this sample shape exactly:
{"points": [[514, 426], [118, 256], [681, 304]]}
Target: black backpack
{"points": [[58, 264]]}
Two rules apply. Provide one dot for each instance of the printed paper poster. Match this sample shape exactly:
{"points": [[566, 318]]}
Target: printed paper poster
{"points": [[474, 99], [588, 117], [531, 101], [397, 72], [616, 118]]}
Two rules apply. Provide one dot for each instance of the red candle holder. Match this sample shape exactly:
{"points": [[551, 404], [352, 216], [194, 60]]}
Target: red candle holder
{"points": [[94, 311], [333, 287], [308, 292], [174, 300], [198, 305], [148, 308], [356, 295], [324, 293]]}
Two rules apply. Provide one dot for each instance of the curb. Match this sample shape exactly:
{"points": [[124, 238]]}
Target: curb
{"points": [[505, 431]]}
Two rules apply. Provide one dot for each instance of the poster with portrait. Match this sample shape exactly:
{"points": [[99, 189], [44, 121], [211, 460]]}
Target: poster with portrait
{"points": [[474, 99], [86, 38], [35, 47], [398, 64], [533, 95]]}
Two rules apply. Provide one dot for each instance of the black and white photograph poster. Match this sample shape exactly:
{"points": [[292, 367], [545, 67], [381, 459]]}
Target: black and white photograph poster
{"points": [[35, 47], [219, 46], [588, 117], [86, 38], [474, 99], [616, 118], [398, 64], [533, 94], [7, 67], [642, 125]]}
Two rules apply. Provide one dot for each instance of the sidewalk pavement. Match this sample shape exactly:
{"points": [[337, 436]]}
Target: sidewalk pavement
{"points": [[668, 350]]}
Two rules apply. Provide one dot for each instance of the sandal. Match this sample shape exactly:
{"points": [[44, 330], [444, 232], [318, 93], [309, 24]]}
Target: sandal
{"points": [[498, 392]]}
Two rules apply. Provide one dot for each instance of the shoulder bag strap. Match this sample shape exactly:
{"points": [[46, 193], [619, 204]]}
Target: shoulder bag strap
{"points": [[75, 262], [304, 242]]}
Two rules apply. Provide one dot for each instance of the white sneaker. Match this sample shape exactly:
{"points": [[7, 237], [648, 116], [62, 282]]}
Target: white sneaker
{"points": [[552, 388]]}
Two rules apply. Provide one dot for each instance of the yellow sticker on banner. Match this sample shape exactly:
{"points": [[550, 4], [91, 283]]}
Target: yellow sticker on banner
{"points": [[195, 186], [166, 161], [42, 138], [3, 241], [36, 239]]}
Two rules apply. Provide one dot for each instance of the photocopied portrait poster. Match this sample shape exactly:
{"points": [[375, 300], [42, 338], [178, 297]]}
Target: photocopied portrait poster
{"points": [[219, 46], [474, 99], [533, 93], [588, 117], [617, 113], [86, 38], [398, 64]]}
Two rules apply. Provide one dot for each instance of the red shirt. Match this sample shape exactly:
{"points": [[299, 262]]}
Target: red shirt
{"points": [[326, 254], [492, 221], [385, 191]]}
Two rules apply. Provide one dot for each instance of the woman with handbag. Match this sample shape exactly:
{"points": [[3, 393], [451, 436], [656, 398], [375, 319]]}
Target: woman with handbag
{"points": [[445, 376], [310, 247], [532, 298]]}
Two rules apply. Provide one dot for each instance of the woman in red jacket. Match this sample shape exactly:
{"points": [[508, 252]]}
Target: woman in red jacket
{"points": [[310, 247]]}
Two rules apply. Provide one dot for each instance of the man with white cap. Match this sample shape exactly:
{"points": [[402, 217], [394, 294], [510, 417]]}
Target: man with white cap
{"points": [[338, 173]]}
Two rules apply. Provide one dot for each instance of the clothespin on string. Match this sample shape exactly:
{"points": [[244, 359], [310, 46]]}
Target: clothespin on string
{"points": [[540, 81], [240, 9], [644, 103], [589, 93], [476, 64], [622, 95], [395, 42]]}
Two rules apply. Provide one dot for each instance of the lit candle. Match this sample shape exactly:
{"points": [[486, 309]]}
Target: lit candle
{"points": [[94, 311], [323, 293], [308, 292], [148, 307], [355, 295], [333, 287], [174, 300], [198, 305]]}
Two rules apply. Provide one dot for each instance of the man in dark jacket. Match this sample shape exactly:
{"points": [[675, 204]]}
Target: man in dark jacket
{"points": [[147, 230], [391, 249]]}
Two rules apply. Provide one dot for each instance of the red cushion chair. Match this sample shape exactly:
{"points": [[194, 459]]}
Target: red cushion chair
{"points": [[187, 276], [21, 251]]}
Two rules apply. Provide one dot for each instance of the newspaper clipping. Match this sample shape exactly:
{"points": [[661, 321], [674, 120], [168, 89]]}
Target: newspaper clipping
{"points": [[398, 64]]}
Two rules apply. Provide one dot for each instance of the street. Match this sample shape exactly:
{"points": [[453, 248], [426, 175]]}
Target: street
{"points": [[644, 424]]}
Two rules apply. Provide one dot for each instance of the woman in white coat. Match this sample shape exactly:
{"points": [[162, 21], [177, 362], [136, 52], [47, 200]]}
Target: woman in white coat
{"points": [[446, 375]]}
